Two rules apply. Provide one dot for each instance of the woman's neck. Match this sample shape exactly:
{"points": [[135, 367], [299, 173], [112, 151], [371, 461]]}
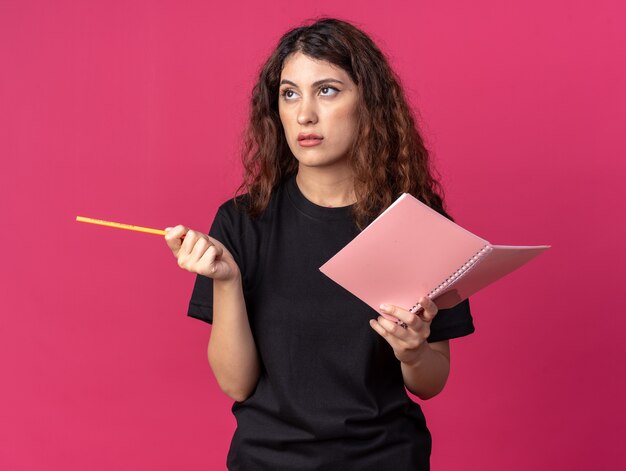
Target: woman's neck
{"points": [[331, 190]]}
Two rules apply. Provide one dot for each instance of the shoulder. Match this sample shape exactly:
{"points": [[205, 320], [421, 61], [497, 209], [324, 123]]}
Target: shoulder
{"points": [[234, 212], [235, 205], [236, 217], [246, 207]]}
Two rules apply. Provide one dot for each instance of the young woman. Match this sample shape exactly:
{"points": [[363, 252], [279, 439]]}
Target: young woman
{"points": [[318, 377]]}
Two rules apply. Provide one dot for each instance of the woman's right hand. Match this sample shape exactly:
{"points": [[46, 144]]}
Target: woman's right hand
{"points": [[198, 253]]}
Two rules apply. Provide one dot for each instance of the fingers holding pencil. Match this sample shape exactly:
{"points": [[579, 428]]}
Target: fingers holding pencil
{"points": [[174, 237], [198, 253]]}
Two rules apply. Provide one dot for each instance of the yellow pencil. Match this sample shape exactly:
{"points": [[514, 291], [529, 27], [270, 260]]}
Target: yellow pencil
{"points": [[128, 227]]}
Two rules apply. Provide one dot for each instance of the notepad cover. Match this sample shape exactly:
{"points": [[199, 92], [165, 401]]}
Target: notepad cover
{"points": [[411, 249]]}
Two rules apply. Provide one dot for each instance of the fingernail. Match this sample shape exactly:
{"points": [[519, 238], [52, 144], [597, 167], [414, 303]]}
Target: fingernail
{"points": [[384, 307]]}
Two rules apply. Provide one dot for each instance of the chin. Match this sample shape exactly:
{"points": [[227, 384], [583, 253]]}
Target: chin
{"points": [[320, 163], [317, 158]]}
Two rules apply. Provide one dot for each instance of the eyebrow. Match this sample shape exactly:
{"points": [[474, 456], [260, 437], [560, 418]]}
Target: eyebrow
{"points": [[315, 84]]}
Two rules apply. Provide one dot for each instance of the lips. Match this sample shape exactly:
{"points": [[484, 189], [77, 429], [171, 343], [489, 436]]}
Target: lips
{"points": [[309, 137]]}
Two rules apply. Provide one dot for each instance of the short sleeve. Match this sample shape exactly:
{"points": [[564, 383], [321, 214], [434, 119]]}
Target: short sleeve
{"points": [[452, 323], [224, 229]]}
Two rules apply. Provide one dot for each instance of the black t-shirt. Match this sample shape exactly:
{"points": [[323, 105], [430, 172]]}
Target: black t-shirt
{"points": [[331, 394]]}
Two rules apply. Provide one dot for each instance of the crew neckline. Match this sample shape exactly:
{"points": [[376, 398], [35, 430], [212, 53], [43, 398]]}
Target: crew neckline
{"points": [[311, 209]]}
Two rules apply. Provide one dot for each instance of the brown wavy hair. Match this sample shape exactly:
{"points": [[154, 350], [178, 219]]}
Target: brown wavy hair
{"points": [[388, 158]]}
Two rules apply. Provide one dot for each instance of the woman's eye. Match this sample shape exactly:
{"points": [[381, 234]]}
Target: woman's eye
{"points": [[288, 94], [325, 90]]}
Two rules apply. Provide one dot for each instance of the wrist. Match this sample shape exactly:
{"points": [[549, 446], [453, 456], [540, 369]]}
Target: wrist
{"points": [[233, 280], [419, 356]]}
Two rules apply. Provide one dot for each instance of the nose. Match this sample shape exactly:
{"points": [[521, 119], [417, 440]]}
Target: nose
{"points": [[307, 114]]}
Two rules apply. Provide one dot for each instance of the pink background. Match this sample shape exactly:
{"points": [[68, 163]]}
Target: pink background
{"points": [[132, 111]]}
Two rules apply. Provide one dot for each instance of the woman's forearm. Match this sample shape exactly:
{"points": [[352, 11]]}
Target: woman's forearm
{"points": [[427, 376], [232, 352]]}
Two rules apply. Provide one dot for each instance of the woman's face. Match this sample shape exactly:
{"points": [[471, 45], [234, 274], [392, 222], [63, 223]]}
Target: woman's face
{"points": [[317, 105]]}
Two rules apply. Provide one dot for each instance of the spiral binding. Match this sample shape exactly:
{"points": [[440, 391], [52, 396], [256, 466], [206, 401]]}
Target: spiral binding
{"points": [[457, 274]]}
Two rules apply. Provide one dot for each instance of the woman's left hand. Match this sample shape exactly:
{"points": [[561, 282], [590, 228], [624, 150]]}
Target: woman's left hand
{"points": [[408, 332]]}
